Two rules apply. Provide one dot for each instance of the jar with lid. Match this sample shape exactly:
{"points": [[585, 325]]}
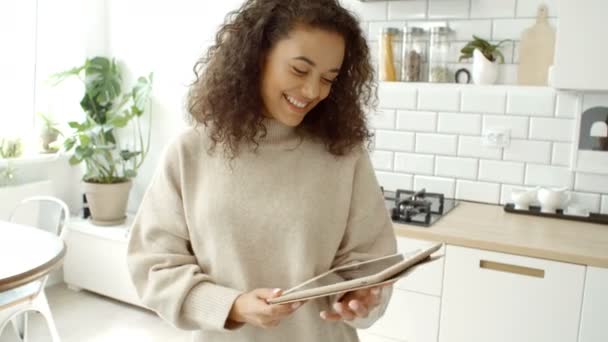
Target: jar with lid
{"points": [[438, 55], [389, 57], [414, 57]]}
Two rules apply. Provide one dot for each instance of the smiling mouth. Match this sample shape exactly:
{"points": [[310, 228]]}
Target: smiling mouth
{"points": [[298, 105]]}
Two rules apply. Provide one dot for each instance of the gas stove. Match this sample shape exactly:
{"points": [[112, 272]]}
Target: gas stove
{"points": [[419, 208]]}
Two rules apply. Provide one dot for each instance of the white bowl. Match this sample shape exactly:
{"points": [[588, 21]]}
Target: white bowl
{"points": [[523, 197]]}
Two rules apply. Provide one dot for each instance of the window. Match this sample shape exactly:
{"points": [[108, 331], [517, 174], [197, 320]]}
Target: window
{"points": [[17, 67]]}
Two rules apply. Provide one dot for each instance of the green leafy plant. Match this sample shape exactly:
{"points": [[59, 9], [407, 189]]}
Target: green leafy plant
{"points": [[49, 124], [490, 51], [94, 140], [10, 148]]}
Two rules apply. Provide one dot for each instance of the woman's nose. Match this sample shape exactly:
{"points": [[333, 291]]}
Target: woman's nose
{"points": [[311, 89]]}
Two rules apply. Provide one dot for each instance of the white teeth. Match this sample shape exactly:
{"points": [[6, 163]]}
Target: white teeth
{"points": [[295, 102]]}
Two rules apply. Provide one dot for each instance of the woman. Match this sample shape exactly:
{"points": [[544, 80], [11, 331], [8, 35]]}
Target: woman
{"points": [[271, 187]]}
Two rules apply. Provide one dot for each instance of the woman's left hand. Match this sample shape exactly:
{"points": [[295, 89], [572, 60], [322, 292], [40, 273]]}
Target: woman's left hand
{"points": [[354, 304]]}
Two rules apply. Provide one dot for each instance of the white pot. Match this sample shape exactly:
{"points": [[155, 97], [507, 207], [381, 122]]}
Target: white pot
{"points": [[484, 71], [108, 202]]}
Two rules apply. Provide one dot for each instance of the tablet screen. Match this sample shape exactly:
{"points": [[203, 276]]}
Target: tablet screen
{"points": [[352, 272]]}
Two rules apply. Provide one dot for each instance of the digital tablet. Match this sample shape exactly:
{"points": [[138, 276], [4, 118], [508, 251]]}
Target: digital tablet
{"points": [[370, 273]]}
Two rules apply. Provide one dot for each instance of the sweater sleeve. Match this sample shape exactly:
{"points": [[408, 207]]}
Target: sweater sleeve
{"points": [[369, 233], [160, 259]]}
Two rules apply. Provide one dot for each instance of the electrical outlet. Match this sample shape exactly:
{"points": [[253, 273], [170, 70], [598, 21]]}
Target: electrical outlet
{"points": [[496, 137]]}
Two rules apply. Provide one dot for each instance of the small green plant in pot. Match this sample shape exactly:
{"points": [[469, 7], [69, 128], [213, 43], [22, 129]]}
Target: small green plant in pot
{"points": [[110, 165], [485, 59], [48, 133], [10, 148]]}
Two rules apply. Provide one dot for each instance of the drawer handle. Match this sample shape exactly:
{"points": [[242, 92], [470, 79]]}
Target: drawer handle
{"points": [[498, 266]]}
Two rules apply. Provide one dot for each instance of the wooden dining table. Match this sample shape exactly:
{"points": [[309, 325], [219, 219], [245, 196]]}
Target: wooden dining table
{"points": [[27, 254]]}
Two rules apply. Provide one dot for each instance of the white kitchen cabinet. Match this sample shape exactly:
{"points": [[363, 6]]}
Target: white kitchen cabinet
{"points": [[410, 316], [581, 51], [96, 260], [413, 312], [489, 296], [426, 278], [594, 319]]}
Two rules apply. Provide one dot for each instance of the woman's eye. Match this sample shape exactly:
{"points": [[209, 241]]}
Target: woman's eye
{"points": [[298, 71], [329, 81]]}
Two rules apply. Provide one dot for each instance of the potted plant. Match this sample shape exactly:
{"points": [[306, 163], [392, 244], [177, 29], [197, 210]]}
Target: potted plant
{"points": [[110, 164], [10, 148], [48, 133], [485, 59]]}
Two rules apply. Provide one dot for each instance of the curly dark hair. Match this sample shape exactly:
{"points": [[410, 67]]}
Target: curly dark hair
{"points": [[226, 94]]}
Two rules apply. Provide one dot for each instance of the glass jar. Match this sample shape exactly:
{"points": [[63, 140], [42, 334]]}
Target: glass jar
{"points": [[414, 56], [438, 55], [389, 58]]}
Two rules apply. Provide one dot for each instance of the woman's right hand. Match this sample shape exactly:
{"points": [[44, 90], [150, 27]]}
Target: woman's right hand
{"points": [[252, 308]]}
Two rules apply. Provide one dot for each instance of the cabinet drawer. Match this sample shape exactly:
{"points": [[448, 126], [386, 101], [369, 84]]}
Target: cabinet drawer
{"points": [[410, 316], [595, 306], [427, 278], [99, 265], [489, 296]]}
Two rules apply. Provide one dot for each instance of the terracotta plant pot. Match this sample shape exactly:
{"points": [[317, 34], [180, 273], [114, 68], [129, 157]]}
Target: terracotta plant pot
{"points": [[484, 71], [108, 202]]}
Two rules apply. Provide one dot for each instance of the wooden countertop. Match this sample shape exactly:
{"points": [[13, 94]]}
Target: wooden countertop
{"points": [[489, 227]]}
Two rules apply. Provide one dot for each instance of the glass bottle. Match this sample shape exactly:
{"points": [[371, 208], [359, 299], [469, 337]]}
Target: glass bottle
{"points": [[388, 57], [438, 55], [414, 56]]}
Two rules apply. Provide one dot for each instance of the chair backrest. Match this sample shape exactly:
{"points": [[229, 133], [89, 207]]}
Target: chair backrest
{"points": [[50, 213]]}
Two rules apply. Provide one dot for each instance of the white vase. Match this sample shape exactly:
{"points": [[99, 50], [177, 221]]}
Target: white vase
{"points": [[484, 71]]}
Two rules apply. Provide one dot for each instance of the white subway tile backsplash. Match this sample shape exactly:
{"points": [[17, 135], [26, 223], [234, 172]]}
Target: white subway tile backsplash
{"points": [[589, 201], [507, 74], [407, 9], [416, 121], [529, 8], [517, 125], [544, 175], [414, 163], [393, 181], [535, 101], [435, 184], [501, 171], [436, 143], [562, 154], [383, 119], [492, 8], [552, 129], [448, 9], [477, 191], [459, 123], [367, 10], [440, 99], [394, 141], [472, 147], [396, 95], [567, 104], [510, 28], [528, 151], [456, 167], [591, 182], [604, 209], [463, 30], [382, 160], [486, 101]]}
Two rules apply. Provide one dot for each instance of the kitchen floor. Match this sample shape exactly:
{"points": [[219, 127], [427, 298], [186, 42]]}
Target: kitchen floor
{"points": [[85, 316]]}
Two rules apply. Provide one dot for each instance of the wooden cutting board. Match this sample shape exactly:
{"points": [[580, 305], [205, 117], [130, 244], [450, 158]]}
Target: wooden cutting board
{"points": [[536, 51]]}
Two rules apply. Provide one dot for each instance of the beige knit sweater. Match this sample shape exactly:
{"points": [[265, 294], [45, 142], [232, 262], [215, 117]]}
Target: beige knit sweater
{"points": [[207, 231]]}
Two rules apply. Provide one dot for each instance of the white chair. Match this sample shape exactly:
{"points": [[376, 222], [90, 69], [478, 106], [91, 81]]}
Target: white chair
{"points": [[16, 304]]}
